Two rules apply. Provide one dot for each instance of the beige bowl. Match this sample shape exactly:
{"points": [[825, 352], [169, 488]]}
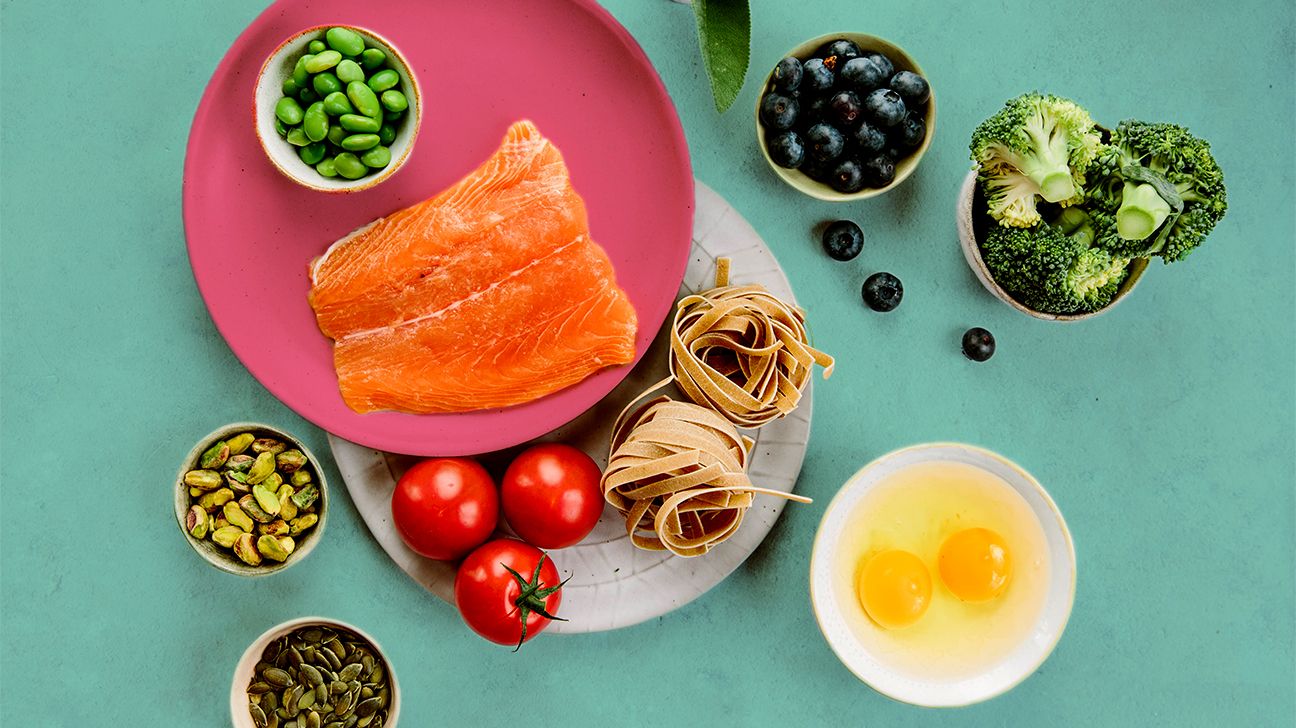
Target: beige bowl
{"points": [[971, 226], [903, 168], [284, 155], [224, 559], [246, 667]]}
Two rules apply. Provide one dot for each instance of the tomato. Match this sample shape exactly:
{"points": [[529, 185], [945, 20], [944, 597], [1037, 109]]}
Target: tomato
{"points": [[445, 507], [508, 608], [551, 495]]}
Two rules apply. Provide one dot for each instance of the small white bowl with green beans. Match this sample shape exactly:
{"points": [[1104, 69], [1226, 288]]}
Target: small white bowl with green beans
{"points": [[337, 108]]}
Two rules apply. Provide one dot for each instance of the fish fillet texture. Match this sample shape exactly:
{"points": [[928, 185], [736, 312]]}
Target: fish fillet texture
{"points": [[489, 295]]}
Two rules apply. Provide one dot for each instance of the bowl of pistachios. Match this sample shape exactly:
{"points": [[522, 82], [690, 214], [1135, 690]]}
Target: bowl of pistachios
{"points": [[250, 499]]}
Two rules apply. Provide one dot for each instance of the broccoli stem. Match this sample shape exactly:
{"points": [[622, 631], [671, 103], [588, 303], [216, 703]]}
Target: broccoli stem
{"points": [[1048, 167], [1141, 212]]}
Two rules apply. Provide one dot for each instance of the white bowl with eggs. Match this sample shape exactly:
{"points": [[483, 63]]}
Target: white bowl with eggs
{"points": [[975, 632]]}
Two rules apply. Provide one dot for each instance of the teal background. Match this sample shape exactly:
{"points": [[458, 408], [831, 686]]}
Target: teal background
{"points": [[1163, 429]]}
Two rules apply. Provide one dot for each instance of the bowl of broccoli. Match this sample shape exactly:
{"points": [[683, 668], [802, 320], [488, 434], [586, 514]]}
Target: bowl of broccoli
{"points": [[1060, 217]]}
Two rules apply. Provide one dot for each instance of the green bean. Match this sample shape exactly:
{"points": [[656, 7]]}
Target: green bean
{"points": [[372, 59], [288, 111], [289, 87], [383, 80], [326, 168], [357, 123], [363, 98], [348, 70], [323, 61], [279, 127], [315, 122], [337, 104], [387, 134], [394, 100], [317, 46], [345, 41], [299, 74], [376, 158], [325, 83], [312, 153], [307, 96], [336, 134], [297, 137], [349, 165], [360, 142]]}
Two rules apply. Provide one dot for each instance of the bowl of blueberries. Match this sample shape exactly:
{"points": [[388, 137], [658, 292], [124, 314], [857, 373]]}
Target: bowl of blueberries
{"points": [[845, 116]]}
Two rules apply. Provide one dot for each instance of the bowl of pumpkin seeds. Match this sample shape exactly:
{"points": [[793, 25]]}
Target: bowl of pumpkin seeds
{"points": [[314, 672], [250, 499]]}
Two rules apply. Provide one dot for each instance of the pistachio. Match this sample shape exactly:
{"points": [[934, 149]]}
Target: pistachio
{"points": [[289, 461], [250, 506], [261, 468], [273, 482], [236, 516], [215, 456], [226, 535], [196, 522], [215, 499], [245, 549], [239, 463], [270, 548], [268, 444], [306, 497], [239, 443], [276, 528], [288, 543], [287, 509], [195, 492], [267, 499], [203, 479], [302, 523], [300, 477]]}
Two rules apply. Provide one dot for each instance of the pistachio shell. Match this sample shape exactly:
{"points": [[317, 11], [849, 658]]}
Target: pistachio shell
{"points": [[261, 468], [302, 523], [290, 461], [267, 499], [245, 548], [196, 522], [237, 516], [270, 548], [227, 535], [215, 499], [203, 479], [239, 443], [275, 528], [300, 477], [250, 506], [268, 444]]}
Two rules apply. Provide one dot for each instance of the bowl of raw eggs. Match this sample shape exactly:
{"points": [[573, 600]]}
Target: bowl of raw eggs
{"points": [[942, 575]]}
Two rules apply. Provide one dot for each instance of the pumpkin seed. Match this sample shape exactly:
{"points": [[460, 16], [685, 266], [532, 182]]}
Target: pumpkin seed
{"points": [[258, 716], [258, 687], [350, 672], [277, 677]]}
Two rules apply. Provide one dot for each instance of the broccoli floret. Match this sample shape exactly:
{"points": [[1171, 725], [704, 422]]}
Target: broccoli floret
{"points": [[1037, 145], [1052, 267], [1156, 190]]}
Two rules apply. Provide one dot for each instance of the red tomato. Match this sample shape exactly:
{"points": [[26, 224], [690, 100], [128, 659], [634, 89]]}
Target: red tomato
{"points": [[551, 495], [508, 608], [445, 507]]}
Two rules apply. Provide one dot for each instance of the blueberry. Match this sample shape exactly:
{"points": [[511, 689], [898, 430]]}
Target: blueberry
{"points": [[909, 134], [816, 76], [815, 111], [778, 111], [826, 143], [786, 149], [787, 75], [884, 107], [846, 109], [862, 74], [978, 344], [911, 87], [816, 170], [869, 137], [882, 292], [843, 240], [879, 171], [847, 176], [883, 62], [841, 48]]}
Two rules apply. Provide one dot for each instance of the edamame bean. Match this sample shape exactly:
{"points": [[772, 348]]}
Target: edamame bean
{"points": [[394, 100], [315, 122], [360, 124], [392, 116], [323, 62], [348, 70], [363, 98], [387, 134], [297, 137], [360, 142], [326, 168], [325, 83], [345, 41], [383, 80], [279, 127], [349, 165], [337, 104], [376, 158], [307, 96], [317, 46], [372, 59], [290, 87], [288, 111], [312, 153], [299, 74], [336, 134]]}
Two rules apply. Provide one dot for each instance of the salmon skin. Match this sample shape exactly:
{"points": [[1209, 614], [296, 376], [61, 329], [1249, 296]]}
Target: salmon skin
{"points": [[489, 295]]}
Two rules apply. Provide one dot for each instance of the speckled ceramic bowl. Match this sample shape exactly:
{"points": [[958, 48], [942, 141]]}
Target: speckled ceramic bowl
{"points": [[284, 155], [903, 168], [224, 559], [972, 224]]}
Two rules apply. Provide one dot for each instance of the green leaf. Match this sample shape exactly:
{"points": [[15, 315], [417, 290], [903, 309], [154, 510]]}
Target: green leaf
{"points": [[724, 32]]}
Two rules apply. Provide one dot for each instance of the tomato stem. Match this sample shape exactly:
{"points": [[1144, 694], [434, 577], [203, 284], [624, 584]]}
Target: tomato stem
{"points": [[532, 596]]}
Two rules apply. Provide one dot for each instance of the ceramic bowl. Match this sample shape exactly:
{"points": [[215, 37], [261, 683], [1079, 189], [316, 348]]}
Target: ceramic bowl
{"points": [[284, 155], [998, 678], [224, 559], [903, 168], [246, 667], [972, 225]]}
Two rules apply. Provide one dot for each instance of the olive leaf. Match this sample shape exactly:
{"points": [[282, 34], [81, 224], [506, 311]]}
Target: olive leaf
{"points": [[724, 32]]}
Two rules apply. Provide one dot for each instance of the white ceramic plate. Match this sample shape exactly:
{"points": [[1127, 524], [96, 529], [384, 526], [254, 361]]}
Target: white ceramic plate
{"points": [[997, 678], [613, 583]]}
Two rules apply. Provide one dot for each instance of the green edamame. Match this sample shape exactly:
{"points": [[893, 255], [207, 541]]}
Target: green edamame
{"points": [[315, 122], [357, 123], [279, 127], [363, 98], [336, 104], [394, 100], [326, 168], [376, 158], [383, 80], [317, 46], [387, 134], [345, 41], [336, 134], [349, 165], [312, 153], [326, 83], [323, 62], [299, 74], [348, 71], [297, 137], [289, 87], [307, 96], [372, 59], [288, 111], [360, 142]]}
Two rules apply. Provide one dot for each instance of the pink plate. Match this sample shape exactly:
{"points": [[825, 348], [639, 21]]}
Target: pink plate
{"points": [[565, 64]]}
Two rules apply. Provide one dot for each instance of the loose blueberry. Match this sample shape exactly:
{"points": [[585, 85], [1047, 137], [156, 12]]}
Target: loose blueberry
{"points": [[825, 142], [815, 111], [911, 87], [841, 48], [786, 149], [787, 75], [870, 138], [884, 107], [884, 63], [909, 134], [846, 109], [843, 240], [978, 344], [847, 176], [882, 292], [778, 111], [862, 74], [879, 171], [816, 76]]}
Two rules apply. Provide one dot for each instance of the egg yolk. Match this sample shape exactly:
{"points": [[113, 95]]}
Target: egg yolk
{"points": [[975, 564], [895, 589]]}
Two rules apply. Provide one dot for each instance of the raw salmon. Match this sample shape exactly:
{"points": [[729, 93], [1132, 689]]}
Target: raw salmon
{"points": [[488, 295]]}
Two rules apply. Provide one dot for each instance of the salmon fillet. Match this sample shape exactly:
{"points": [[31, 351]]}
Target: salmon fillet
{"points": [[489, 295]]}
